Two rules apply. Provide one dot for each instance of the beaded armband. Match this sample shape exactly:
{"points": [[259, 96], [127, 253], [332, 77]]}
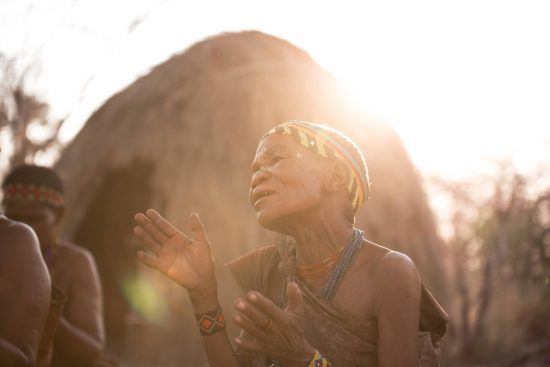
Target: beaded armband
{"points": [[319, 361], [211, 322]]}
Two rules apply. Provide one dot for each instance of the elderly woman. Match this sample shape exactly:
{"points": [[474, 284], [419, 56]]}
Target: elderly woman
{"points": [[323, 295]]}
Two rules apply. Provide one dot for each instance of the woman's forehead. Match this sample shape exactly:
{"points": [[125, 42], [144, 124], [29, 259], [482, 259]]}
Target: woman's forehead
{"points": [[276, 143]]}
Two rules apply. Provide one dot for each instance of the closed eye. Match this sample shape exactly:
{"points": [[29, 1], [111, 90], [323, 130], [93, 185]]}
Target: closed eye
{"points": [[276, 159]]}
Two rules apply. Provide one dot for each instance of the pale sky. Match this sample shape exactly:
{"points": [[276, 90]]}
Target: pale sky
{"points": [[462, 82]]}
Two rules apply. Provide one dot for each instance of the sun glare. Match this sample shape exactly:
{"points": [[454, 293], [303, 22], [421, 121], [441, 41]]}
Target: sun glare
{"points": [[459, 97], [461, 83]]}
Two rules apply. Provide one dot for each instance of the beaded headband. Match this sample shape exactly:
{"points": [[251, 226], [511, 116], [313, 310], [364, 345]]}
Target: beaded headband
{"points": [[32, 192], [329, 143]]}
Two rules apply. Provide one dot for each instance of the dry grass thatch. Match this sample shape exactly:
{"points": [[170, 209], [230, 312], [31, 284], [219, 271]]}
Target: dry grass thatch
{"points": [[182, 138]]}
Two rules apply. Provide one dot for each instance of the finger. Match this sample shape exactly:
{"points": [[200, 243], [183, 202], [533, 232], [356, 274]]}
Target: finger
{"points": [[251, 312], [165, 226], [149, 260], [250, 327], [149, 227], [196, 226], [266, 306], [147, 240], [249, 345], [295, 299]]}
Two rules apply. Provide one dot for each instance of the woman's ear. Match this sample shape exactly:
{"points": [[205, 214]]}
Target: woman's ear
{"points": [[337, 176]]}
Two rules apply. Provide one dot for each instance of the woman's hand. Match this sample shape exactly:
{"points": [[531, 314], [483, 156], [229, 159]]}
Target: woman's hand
{"points": [[186, 260], [277, 332]]}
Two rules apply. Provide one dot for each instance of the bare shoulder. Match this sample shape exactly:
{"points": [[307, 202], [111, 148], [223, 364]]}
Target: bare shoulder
{"points": [[397, 274], [19, 240], [390, 266], [76, 254], [16, 230], [375, 251], [397, 262], [22, 265]]}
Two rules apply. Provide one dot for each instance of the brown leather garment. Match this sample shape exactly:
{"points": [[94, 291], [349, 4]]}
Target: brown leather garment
{"points": [[344, 340]]}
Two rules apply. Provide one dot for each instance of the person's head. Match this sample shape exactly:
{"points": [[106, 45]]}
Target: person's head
{"points": [[34, 195], [300, 168]]}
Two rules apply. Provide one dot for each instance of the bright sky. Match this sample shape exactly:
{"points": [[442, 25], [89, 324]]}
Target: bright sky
{"points": [[462, 82]]}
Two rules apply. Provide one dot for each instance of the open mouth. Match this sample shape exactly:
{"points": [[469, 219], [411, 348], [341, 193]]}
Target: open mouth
{"points": [[262, 195]]}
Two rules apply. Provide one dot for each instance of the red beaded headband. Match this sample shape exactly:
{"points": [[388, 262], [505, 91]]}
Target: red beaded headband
{"points": [[31, 192]]}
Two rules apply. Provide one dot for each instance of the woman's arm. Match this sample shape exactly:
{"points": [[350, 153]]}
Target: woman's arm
{"points": [[188, 261], [216, 345], [397, 307]]}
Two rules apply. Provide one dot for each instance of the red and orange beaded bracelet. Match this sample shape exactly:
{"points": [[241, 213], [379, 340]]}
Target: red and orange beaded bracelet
{"points": [[211, 322]]}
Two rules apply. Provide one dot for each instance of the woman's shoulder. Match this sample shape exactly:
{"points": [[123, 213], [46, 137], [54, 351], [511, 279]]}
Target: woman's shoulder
{"points": [[386, 258], [75, 254], [390, 267]]}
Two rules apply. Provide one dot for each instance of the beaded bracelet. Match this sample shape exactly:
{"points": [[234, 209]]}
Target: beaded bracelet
{"points": [[318, 360], [211, 322]]}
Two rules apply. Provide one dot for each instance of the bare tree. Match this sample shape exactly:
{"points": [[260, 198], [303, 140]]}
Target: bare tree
{"points": [[21, 112], [499, 244]]}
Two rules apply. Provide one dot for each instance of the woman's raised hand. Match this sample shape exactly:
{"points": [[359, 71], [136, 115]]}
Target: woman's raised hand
{"points": [[187, 260]]}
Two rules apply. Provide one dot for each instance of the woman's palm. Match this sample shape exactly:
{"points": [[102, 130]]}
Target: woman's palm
{"points": [[186, 260]]}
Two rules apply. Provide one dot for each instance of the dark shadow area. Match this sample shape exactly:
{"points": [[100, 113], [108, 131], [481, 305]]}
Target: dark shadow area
{"points": [[106, 230]]}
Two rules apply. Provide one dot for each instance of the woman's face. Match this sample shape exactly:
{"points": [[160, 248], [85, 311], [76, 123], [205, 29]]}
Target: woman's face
{"points": [[287, 181]]}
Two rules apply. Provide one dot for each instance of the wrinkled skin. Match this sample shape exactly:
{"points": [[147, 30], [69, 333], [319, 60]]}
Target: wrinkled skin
{"points": [[79, 338], [284, 338], [302, 195], [290, 175], [22, 313]]}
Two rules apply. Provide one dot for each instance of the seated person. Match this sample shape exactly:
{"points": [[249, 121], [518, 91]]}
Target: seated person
{"points": [[24, 295], [322, 295], [34, 195]]}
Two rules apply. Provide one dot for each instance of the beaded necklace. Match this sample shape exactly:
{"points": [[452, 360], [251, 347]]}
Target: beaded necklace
{"points": [[350, 251], [343, 259], [348, 254], [320, 269]]}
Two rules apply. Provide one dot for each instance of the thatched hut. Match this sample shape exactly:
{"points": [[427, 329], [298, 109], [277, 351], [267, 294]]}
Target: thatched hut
{"points": [[182, 138]]}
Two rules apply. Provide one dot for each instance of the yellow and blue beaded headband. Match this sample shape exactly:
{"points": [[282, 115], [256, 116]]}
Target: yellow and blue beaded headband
{"points": [[330, 143]]}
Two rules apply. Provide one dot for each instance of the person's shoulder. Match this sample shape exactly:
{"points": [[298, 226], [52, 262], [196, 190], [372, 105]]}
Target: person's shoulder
{"points": [[397, 261], [19, 237], [397, 270], [387, 259], [18, 229], [390, 265], [20, 246], [75, 253]]}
